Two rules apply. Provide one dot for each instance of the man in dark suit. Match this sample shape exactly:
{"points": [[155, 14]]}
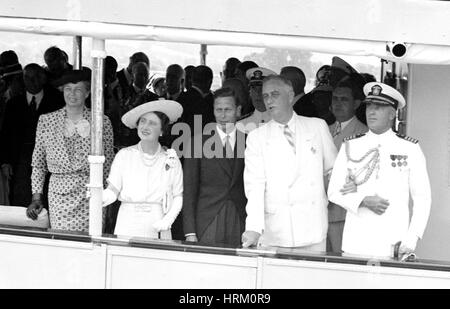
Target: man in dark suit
{"points": [[198, 101], [125, 76], [19, 132], [57, 64], [229, 69], [347, 96], [175, 77], [137, 95], [214, 199]]}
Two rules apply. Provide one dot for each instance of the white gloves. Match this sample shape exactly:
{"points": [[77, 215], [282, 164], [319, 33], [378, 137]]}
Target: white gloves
{"points": [[408, 244], [109, 197], [162, 225], [166, 222]]}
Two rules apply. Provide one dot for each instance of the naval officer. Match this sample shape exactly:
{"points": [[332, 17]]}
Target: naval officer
{"points": [[260, 115], [373, 178]]}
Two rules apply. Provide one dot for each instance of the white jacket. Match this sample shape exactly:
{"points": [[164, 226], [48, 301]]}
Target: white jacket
{"points": [[366, 233], [287, 201]]}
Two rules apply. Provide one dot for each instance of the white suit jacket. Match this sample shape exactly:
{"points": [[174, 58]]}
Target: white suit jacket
{"points": [[401, 173], [287, 201]]}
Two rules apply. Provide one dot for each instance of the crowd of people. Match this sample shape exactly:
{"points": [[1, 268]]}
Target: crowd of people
{"points": [[256, 162]]}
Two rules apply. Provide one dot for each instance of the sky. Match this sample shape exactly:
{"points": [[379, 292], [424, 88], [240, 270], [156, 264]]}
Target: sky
{"points": [[31, 47]]}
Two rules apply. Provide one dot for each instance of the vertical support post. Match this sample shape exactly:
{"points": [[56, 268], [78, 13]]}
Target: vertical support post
{"points": [[203, 53], [382, 73], [77, 52], [96, 158]]}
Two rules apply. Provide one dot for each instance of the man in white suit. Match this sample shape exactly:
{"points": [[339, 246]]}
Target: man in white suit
{"points": [[347, 97], [375, 176], [286, 163]]}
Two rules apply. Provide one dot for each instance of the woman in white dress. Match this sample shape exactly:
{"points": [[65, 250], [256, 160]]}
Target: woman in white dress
{"points": [[146, 178]]}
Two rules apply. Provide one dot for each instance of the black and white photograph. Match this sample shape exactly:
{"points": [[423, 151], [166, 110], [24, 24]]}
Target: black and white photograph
{"points": [[224, 150]]}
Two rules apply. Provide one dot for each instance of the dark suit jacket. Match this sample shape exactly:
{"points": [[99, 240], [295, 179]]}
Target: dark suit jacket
{"points": [[123, 82], [210, 183], [195, 104], [20, 124]]}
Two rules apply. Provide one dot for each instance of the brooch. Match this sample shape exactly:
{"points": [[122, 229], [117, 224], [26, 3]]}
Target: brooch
{"points": [[171, 158]]}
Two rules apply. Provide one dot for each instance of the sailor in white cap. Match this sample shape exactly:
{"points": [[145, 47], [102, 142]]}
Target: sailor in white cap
{"points": [[147, 178], [373, 178], [260, 115]]}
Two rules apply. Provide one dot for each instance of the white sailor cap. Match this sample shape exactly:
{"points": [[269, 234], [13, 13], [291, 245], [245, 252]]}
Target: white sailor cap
{"points": [[380, 93], [258, 74]]}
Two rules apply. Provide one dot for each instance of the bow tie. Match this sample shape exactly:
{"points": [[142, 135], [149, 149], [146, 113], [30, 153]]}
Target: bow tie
{"points": [[82, 127]]}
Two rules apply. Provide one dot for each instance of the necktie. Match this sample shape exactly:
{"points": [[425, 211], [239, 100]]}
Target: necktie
{"points": [[228, 149], [289, 136], [33, 104], [337, 129]]}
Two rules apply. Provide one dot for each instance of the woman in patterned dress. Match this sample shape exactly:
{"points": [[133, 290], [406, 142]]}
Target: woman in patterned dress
{"points": [[147, 178], [62, 148]]}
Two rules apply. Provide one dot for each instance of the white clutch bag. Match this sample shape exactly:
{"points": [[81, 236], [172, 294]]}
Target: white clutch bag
{"points": [[15, 215]]}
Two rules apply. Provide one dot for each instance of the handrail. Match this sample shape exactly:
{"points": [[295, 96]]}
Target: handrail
{"points": [[267, 252]]}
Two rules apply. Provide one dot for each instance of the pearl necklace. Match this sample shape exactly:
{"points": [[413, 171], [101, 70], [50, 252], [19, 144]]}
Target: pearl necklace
{"points": [[148, 160], [369, 167]]}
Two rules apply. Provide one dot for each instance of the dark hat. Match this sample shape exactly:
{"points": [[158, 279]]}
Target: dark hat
{"points": [[157, 80], [10, 70], [343, 65], [8, 57], [323, 79], [258, 74], [379, 93], [74, 76]]}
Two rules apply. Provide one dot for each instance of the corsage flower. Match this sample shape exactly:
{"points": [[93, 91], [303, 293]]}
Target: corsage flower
{"points": [[83, 128], [171, 158]]}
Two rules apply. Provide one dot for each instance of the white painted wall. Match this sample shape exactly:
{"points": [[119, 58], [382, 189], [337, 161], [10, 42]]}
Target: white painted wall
{"points": [[30, 262], [429, 121], [280, 274], [37, 263], [159, 269]]}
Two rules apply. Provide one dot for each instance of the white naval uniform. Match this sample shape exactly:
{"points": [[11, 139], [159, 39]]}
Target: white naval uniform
{"points": [[366, 233], [287, 199]]}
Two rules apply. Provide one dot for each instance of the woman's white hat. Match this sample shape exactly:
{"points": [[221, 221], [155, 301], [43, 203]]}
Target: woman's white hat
{"points": [[172, 109]]}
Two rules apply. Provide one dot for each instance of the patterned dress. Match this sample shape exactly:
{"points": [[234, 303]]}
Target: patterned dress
{"points": [[66, 158]]}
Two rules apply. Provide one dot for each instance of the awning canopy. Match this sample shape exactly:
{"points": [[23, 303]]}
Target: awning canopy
{"points": [[353, 27]]}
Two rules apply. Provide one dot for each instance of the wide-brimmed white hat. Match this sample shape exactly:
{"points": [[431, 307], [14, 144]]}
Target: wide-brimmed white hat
{"points": [[171, 109]]}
